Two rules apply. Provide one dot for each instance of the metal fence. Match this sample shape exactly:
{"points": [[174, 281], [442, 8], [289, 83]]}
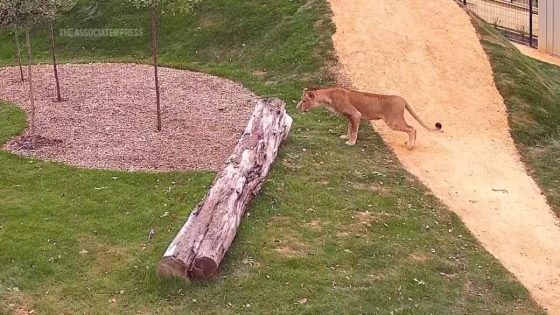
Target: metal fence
{"points": [[517, 19]]}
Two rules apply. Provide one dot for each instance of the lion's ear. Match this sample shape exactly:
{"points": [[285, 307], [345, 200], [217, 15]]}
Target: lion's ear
{"points": [[310, 94]]}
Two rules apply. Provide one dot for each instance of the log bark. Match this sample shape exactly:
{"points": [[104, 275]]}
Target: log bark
{"points": [[202, 242]]}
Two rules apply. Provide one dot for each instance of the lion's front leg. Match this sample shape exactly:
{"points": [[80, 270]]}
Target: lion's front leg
{"points": [[347, 135], [353, 126]]}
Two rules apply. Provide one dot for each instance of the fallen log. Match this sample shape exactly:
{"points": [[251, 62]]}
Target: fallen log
{"points": [[202, 242]]}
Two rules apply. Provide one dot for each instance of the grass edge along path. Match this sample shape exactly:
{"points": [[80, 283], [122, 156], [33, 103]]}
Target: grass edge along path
{"points": [[531, 92]]}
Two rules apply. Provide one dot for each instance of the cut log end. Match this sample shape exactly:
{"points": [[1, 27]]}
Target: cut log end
{"points": [[203, 268], [171, 267]]}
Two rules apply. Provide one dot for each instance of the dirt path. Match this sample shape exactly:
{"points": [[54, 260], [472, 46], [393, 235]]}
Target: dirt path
{"points": [[428, 52]]}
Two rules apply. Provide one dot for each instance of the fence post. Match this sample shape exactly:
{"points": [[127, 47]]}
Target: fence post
{"points": [[531, 23]]}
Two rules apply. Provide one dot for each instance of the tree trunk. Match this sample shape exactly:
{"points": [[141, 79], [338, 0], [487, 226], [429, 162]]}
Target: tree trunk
{"points": [[31, 94], [154, 17], [200, 246], [53, 47], [18, 53]]}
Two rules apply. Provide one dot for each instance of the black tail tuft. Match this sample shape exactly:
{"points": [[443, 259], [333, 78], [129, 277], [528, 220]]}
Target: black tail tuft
{"points": [[438, 126]]}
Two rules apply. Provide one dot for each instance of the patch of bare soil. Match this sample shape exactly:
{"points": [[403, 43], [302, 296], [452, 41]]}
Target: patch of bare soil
{"points": [[363, 221], [316, 225], [108, 118], [418, 257], [429, 53]]}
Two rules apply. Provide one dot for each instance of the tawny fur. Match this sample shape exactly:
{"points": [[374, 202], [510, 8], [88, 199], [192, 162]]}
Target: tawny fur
{"points": [[357, 106]]}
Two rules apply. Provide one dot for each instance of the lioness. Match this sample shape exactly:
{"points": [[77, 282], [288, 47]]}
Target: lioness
{"points": [[357, 106]]}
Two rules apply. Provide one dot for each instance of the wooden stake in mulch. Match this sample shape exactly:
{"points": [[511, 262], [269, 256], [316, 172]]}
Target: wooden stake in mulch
{"points": [[200, 246]]}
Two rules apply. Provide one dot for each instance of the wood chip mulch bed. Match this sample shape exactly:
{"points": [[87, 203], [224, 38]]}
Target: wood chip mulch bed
{"points": [[108, 117]]}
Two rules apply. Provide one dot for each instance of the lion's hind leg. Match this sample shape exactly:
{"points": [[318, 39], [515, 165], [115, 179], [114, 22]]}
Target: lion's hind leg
{"points": [[404, 127]]}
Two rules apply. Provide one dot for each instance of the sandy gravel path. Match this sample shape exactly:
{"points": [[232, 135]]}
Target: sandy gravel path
{"points": [[108, 120], [428, 52]]}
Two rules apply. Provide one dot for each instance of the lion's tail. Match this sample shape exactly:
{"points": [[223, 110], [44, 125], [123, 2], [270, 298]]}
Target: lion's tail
{"points": [[438, 125]]}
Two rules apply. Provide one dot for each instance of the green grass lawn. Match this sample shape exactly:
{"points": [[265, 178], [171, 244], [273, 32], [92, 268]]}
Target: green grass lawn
{"points": [[336, 229], [531, 90]]}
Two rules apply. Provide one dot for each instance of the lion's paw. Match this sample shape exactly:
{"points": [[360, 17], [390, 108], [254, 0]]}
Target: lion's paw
{"points": [[408, 145]]}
